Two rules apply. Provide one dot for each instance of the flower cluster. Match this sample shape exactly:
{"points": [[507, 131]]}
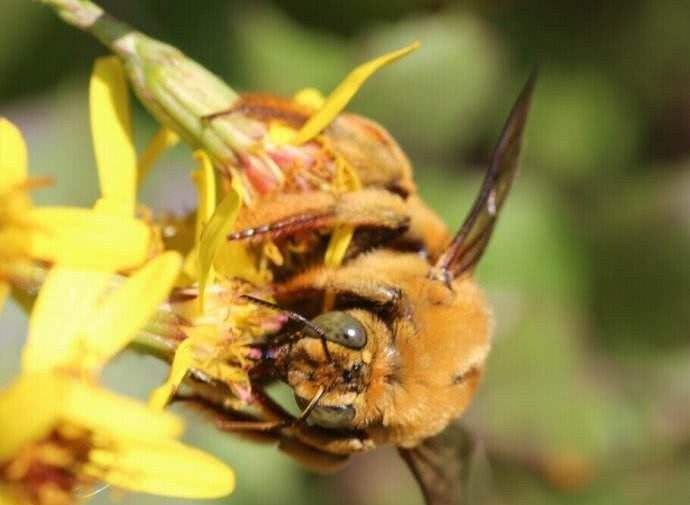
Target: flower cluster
{"points": [[103, 274], [109, 276]]}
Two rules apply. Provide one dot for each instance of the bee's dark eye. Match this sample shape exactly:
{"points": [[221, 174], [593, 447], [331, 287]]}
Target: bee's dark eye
{"points": [[341, 328]]}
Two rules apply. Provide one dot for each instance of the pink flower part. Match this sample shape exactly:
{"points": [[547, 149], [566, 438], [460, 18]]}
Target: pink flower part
{"points": [[258, 175]]}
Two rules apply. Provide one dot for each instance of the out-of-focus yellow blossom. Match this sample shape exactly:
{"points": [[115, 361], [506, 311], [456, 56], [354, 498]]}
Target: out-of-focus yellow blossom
{"points": [[108, 237], [111, 130], [60, 432], [67, 236], [101, 321]]}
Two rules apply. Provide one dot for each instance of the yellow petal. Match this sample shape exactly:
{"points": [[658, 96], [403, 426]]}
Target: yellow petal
{"points": [[342, 95], [239, 185], [272, 252], [4, 293], [190, 265], [67, 298], [83, 238], [13, 157], [346, 179], [183, 361], [233, 259], [162, 140], [337, 247], [30, 408], [213, 236], [111, 129], [280, 133], [117, 319], [311, 97], [162, 467], [116, 416], [205, 181]]}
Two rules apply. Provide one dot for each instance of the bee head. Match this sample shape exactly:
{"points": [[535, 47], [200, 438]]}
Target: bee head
{"points": [[340, 371]]}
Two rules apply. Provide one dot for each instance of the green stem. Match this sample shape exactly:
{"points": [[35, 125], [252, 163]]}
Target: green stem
{"points": [[89, 17], [175, 89]]}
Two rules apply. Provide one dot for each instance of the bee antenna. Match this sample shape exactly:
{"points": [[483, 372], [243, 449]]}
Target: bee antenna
{"points": [[294, 316]]}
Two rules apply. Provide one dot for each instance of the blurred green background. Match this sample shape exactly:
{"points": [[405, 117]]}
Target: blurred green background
{"points": [[587, 395]]}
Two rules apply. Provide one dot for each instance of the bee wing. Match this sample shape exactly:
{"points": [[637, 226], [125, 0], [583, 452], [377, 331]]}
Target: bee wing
{"points": [[468, 245], [450, 468]]}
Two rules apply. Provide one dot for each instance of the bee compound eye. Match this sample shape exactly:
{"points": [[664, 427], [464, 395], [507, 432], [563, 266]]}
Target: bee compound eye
{"points": [[342, 328]]}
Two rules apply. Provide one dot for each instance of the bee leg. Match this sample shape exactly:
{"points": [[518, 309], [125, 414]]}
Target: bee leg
{"points": [[232, 425], [314, 459], [245, 425], [290, 213], [345, 281], [328, 441], [292, 430]]}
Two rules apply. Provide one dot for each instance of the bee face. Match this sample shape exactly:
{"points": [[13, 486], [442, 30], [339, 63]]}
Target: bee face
{"points": [[358, 342], [421, 358]]}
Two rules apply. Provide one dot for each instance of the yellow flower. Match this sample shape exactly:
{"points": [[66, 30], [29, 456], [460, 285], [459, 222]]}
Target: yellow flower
{"points": [[63, 235], [59, 431], [108, 237], [217, 324]]}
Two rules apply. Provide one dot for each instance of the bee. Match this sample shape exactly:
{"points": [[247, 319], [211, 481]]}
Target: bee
{"points": [[397, 357]]}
